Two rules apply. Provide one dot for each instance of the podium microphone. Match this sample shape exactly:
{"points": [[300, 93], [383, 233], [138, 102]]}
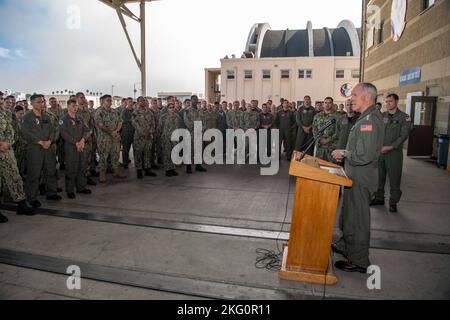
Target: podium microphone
{"points": [[317, 137]]}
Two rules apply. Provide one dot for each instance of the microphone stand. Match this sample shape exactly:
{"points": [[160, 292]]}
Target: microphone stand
{"points": [[315, 138]]}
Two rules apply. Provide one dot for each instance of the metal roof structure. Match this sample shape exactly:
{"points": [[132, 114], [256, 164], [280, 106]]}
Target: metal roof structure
{"points": [[342, 41], [120, 6]]}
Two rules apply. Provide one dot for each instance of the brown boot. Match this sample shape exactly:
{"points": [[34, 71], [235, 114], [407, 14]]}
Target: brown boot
{"points": [[102, 177], [117, 173]]}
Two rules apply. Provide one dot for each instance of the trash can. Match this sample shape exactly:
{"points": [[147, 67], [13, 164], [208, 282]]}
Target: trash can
{"points": [[442, 159]]}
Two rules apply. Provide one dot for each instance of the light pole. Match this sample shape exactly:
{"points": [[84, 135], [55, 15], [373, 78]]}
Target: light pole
{"points": [[112, 91], [134, 90]]}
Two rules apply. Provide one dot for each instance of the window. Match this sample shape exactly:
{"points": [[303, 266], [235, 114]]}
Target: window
{"points": [[231, 75], [305, 74], [267, 74], [381, 32], [355, 73], [427, 3], [370, 37], [285, 74], [340, 74], [248, 74]]}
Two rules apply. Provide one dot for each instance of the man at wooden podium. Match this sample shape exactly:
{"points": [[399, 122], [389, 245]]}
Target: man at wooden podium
{"points": [[361, 165]]}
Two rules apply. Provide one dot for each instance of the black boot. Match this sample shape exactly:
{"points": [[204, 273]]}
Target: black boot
{"points": [[94, 174], [54, 197], [377, 202], [174, 173], [24, 209], [35, 204], [169, 173], [392, 208], [42, 189], [84, 191], [91, 182], [189, 169], [149, 173], [199, 168], [3, 219], [140, 175]]}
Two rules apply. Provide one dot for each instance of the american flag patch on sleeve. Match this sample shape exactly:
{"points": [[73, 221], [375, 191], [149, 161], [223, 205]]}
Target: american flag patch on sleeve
{"points": [[366, 128]]}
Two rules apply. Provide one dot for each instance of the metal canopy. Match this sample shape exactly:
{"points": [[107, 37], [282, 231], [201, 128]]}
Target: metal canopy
{"points": [[122, 10]]}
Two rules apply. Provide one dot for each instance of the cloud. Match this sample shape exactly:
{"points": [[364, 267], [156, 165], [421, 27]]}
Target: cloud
{"points": [[183, 38], [5, 53], [19, 53]]}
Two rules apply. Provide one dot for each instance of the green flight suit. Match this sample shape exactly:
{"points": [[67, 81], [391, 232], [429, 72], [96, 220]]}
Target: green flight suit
{"points": [[285, 122], [72, 130], [361, 163], [398, 127], [39, 160], [127, 134], [304, 118], [343, 126]]}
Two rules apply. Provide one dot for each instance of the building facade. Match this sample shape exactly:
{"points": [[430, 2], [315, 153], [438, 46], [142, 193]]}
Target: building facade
{"points": [[406, 50], [289, 64]]}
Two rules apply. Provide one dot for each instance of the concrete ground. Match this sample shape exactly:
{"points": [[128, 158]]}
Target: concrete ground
{"points": [[183, 238]]}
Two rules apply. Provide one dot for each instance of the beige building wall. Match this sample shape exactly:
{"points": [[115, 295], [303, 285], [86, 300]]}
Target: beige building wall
{"points": [[425, 43], [322, 84]]}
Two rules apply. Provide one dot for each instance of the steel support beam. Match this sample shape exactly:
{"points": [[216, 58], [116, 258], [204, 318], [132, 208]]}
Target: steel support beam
{"points": [[143, 52], [122, 10]]}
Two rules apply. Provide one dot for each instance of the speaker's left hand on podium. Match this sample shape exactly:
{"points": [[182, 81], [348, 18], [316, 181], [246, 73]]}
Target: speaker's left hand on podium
{"points": [[338, 155]]}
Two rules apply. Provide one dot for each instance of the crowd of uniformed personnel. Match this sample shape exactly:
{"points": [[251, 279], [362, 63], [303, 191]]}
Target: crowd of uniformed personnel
{"points": [[86, 142]]}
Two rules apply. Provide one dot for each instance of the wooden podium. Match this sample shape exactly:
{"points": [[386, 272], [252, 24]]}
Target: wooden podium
{"points": [[306, 257]]}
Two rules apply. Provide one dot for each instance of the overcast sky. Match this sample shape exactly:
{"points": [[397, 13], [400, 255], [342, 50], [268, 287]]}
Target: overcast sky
{"points": [[39, 53]]}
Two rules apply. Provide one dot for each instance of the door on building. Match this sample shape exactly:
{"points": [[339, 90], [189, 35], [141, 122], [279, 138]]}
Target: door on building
{"points": [[423, 116]]}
